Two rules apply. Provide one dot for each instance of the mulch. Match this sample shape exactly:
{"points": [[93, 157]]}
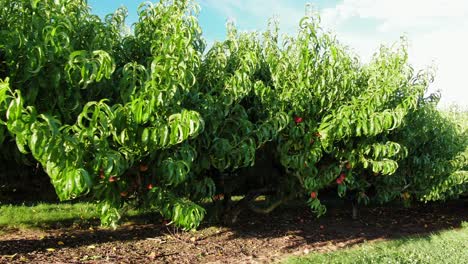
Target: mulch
{"points": [[253, 239]]}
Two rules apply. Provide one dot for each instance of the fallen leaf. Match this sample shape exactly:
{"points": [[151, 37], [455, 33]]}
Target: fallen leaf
{"points": [[92, 247], [11, 256], [152, 255], [60, 243], [156, 239], [50, 249]]}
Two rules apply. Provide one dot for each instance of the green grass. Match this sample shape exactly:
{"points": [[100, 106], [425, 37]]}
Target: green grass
{"points": [[46, 215], [444, 247]]}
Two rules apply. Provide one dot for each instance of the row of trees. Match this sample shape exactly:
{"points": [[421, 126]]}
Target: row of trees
{"points": [[151, 118]]}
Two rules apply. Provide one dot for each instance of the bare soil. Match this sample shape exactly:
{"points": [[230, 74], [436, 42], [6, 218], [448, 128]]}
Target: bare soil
{"points": [[254, 239]]}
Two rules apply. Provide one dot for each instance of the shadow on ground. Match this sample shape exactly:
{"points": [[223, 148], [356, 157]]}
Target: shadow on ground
{"points": [[255, 238]]}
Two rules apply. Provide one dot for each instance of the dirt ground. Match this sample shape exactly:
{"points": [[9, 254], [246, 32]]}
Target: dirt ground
{"points": [[254, 239]]}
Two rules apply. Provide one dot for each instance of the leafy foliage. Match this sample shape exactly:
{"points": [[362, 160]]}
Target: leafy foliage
{"points": [[150, 118], [437, 161], [89, 130]]}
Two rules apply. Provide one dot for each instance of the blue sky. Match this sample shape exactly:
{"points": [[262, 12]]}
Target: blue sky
{"points": [[437, 29]]}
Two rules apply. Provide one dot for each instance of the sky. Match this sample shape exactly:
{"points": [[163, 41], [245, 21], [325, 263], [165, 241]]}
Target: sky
{"points": [[437, 30]]}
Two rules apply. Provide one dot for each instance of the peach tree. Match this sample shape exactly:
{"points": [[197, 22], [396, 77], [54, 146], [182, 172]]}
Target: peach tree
{"points": [[101, 109], [342, 112]]}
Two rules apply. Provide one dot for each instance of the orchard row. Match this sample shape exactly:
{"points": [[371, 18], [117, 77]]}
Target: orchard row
{"points": [[151, 117]]}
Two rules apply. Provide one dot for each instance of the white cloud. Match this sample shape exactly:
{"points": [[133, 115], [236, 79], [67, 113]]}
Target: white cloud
{"points": [[259, 11], [396, 14], [437, 32]]}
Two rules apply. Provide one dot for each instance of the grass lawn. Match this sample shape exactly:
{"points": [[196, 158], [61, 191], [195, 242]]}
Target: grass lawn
{"points": [[445, 247], [51, 215], [45, 215]]}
